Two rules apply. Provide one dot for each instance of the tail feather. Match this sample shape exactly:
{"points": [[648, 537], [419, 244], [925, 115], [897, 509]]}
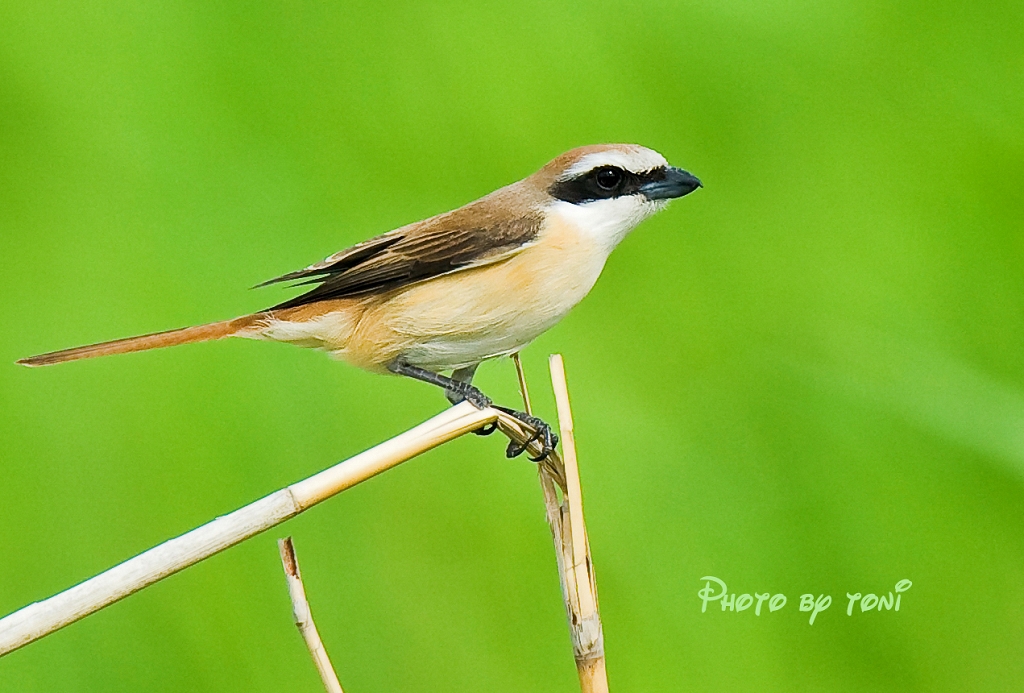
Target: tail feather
{"points": [[157, 340]]}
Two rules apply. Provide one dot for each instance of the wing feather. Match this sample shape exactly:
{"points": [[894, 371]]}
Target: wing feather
{"points": [[465, 238]]}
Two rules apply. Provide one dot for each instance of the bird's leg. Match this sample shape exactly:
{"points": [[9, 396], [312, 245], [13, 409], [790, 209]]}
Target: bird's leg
{"points": [[455, 390], [465, 375], [544, 433], [458, 390], [462, 375]]}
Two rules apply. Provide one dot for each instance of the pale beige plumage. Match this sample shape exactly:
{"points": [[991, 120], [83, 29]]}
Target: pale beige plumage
{"points": [[453, 321]]}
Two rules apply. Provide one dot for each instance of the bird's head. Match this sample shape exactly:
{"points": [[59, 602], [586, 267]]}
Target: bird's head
{"points": [[606, 190]]}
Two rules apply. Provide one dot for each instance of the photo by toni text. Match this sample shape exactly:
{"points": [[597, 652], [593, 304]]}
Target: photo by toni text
{"points": [[815, 604]]}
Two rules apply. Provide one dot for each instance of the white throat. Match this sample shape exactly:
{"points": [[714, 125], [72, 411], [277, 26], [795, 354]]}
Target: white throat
{"points": [[607, 222]]}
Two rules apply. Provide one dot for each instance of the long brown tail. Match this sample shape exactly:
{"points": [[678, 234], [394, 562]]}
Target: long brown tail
{"points": [[185, 335]]}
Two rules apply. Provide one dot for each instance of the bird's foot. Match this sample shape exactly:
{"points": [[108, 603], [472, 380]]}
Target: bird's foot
{"points": [[542, 432], [458, 392]]}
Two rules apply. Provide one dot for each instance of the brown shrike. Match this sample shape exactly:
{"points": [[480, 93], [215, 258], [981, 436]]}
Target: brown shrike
{"points": [[448, 292]]}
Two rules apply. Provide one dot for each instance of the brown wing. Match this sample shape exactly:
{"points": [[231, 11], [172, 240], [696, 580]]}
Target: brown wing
{"points": [[467, 237]]}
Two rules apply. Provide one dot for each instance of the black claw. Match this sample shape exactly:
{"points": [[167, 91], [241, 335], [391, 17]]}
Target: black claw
{"points": [[515, 449], [550, 441], [542, 432], [487, 429]]}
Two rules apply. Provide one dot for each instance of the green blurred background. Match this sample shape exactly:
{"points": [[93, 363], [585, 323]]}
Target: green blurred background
{"points": [[807, 377]]}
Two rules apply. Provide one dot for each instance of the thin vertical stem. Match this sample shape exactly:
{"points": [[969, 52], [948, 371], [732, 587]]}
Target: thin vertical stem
{"points": [[304, 617], [527, 407]]}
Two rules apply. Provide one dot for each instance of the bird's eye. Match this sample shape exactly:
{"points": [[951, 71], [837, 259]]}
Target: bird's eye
{"points": [[608, 178]]}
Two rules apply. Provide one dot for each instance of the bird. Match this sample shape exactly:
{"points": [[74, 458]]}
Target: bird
{"points": [[446, 293]]}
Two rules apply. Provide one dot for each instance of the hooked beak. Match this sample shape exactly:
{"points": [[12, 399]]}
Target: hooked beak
{"points": [[673, 183]]}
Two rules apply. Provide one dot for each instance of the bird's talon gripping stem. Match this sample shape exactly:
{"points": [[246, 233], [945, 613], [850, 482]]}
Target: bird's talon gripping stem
{"points": [[477, 398], [458, 389], [542, 432]]}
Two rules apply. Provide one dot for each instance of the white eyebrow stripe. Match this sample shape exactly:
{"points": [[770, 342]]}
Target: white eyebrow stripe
{"points": [[635, 161]]}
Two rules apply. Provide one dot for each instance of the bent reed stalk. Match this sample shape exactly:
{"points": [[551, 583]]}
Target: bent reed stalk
{"points": [[44, 617]]}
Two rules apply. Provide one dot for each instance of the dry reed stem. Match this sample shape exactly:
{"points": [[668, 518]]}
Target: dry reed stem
{"points": [[42, 618], [553, 462], [304, 616], [569, 533]]}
